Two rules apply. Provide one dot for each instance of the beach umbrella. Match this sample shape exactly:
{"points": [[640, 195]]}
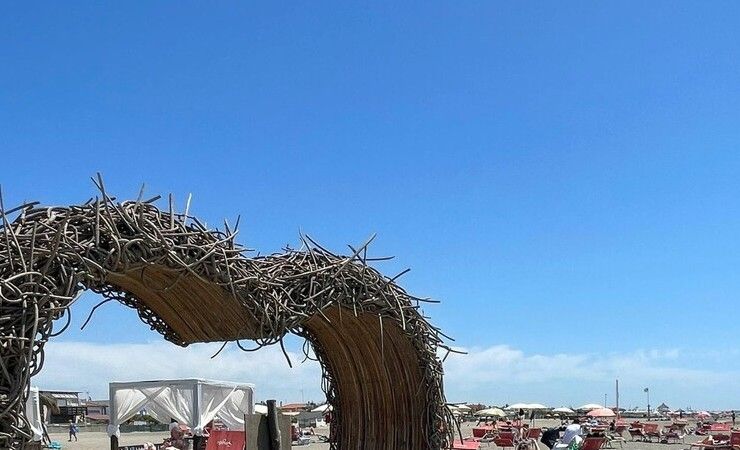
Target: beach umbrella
{"points": [[564, 410], [703, 414], [535, 407], [516, 406], [601, 412], [260, 409], [322, 408], [464, 408], [589, 407], [491, 412]]}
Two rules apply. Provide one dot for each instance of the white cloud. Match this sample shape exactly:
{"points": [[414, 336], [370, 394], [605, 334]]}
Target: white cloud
{"points": [[494, 375], [502, 374], [89, 367]]}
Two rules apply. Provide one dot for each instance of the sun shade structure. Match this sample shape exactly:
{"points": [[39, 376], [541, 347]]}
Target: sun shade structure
{"points": [[601, 412], [381, 373], [491, 412], [589, 407], [192, 402]]}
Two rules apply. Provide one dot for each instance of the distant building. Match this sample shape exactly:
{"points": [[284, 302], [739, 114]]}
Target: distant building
{"points": [[97, 410], [68, 406], [293, 407]]}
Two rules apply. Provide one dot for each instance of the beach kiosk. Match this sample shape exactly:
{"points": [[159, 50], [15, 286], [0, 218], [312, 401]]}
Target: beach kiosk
{"points": [[193, 402]]}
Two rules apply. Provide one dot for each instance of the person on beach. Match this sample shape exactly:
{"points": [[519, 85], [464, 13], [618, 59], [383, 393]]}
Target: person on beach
{"points": [[177, 440], [72, 431], [733, 418], [572, 433]]}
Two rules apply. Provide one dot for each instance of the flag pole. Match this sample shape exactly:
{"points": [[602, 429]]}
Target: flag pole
{"points": [[617, 400]]}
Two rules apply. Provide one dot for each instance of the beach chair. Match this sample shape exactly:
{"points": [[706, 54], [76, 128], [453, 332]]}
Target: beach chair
{"points": [[636, 432], [534, 433], [465, 445], [675, 434], [505, 439], [593, 443], [709, 443], [612, 438], [718, 427], [479, 432], [620, 428], [650, 431], [735, 440]]}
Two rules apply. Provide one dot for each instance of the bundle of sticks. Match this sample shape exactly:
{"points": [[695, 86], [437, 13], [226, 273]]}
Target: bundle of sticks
{"points": [[49, 255]]}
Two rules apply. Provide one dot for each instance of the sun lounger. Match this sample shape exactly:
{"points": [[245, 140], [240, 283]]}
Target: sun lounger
{"points": [[593, 443], [137, 447], [534, 433], [675, 434], [465, 445], [651, 430], [612, 438], [479, 432], [505, 439], [636, 433], [735, 440], [619, 429], [709, 443]]}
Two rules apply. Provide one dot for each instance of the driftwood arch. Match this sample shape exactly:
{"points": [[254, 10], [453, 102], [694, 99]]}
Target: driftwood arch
{"points": [[192, 284]]}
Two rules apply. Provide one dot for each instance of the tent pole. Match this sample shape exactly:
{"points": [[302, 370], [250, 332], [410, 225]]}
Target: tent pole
{"points": [[111, 414]]}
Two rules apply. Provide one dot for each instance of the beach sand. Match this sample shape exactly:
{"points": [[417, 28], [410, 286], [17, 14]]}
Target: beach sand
{"points": [[99, 440]]}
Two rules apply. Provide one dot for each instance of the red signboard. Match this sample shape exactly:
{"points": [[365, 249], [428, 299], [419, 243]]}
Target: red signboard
{"points": [[226, 440]]}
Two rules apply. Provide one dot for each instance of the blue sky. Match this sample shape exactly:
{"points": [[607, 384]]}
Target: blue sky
{"points": [[564, 177]]}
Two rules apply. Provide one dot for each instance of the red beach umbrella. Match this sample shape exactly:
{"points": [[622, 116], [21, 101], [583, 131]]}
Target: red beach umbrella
{"points": [[601, 412]]}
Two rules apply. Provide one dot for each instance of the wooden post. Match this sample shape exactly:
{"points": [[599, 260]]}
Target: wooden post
{"points": [[273, 425], [114, 442], [197, 442], [245, 433]]}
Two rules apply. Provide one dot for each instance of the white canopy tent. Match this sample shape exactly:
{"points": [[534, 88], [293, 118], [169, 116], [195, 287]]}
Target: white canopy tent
{"points": [[192, 402], [33, 414]]}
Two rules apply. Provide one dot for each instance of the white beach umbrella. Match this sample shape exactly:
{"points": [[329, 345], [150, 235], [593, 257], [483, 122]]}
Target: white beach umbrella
{"points": [[536, 407], [516, 406], [463, 407], [322, 408], [589, 407], [260, 409], [491, 412], [564, 410]]}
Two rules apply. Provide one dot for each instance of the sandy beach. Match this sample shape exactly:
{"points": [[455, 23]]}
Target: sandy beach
{"points": [[99, 440]]}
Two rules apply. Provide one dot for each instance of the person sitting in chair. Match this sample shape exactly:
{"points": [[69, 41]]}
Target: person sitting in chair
{"points": [[572, 433], [176, 440]]}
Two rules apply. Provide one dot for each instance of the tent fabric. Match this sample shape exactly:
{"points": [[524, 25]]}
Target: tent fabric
{"points": [[33, 414], [192, 402]]}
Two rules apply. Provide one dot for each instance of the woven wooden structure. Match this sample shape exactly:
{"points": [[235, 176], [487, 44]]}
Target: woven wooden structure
{"points": [[193, 284]]}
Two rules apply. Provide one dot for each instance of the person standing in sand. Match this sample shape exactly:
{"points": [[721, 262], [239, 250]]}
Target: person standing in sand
{"points": [[72, 431]]}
